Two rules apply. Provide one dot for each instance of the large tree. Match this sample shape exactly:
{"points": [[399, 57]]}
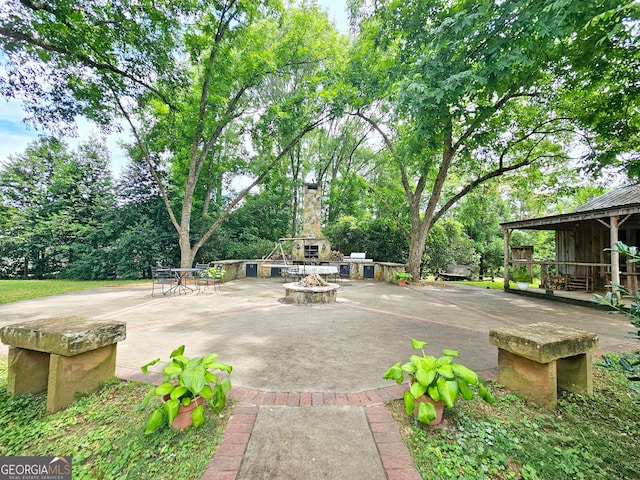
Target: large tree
{"points": [[187, 77], [145, 235], [58, 204], [467, 91]]}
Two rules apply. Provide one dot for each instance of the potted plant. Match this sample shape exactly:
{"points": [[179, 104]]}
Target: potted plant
{"points": [[211, 275], [522, 278], [212, 272], [403, 278], [435, 383], [188, 384]]}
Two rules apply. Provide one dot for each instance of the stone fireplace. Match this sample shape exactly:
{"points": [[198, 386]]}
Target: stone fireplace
{"points": [[311, 246]]}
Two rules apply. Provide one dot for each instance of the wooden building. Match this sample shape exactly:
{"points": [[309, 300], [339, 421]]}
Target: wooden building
{"points": [[583, 237]]}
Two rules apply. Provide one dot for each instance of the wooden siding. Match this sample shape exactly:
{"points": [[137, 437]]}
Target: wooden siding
{"points": [[587, 243]]}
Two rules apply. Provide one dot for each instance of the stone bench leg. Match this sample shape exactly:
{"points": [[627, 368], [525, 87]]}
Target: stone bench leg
{"points": [[82, 372], [536, 381], [575, 374], [61, 377], [28, 371]]}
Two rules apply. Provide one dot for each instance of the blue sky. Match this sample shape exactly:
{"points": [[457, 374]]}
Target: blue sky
{"points": [[15, 135], [337, 12]]}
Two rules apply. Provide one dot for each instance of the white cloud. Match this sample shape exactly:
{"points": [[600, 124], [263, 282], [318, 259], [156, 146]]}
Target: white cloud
{"points": [[337, 12], [12, 143], [15, 135]]}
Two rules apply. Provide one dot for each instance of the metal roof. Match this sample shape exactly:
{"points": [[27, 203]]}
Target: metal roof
{"points": [[622, 201], [629, 195]]}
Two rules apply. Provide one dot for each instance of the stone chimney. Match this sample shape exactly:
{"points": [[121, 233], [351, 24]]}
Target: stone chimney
{"points": [[311, 245], [312, 211]]}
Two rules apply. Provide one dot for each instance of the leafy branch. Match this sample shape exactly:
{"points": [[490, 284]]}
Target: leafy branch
{"points": [[611, 299]]}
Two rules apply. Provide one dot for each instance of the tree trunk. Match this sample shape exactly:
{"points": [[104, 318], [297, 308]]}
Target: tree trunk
{"points": [[417, 243], [421, 222], [416, 249], [187, 254]]}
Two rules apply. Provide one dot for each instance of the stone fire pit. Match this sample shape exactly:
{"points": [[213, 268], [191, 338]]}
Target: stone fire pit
{"points": [[311, 289]]}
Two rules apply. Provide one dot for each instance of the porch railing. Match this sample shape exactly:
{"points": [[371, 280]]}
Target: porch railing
{"points": [[577, 275]]}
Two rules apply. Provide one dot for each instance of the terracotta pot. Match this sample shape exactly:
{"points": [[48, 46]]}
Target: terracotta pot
{"points": [[183, 418], [402, 283], [438, 405]]}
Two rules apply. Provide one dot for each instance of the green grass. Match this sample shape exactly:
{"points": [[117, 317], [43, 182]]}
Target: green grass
{"points": [[497, 284], [16, 290], [105, 435], [587, 437]]}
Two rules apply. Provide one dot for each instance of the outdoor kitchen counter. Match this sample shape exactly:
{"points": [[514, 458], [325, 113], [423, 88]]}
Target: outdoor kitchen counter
{"points": [[319, 269], [308, 269]]}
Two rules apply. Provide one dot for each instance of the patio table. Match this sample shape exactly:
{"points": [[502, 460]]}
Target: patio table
{"points": [[324, 270], [181, 274], [319, 269]]}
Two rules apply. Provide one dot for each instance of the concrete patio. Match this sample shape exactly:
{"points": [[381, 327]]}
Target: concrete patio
{"points": [[308, 379]]}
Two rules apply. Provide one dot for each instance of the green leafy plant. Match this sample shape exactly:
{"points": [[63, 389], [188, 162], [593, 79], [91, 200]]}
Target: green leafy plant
{"points": [[586, 437], [403, 276], [520, 275], [616, 302], [629, 365], [185, 381], [440, 379], [213, 272]]}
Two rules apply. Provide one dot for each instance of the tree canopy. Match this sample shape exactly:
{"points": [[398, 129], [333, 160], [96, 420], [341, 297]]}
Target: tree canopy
{"points": [[58, 204], [234, 104], [186, 78], [468, 90]]}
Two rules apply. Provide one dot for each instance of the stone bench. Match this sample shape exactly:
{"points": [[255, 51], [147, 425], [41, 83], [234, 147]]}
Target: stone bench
{"points": [[535, 360], [456, 272], [61, 356]]}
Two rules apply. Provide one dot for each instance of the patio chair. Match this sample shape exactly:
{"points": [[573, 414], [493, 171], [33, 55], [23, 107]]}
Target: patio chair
{"points": [[336, 277], [204, 279], [295, 273], [163, 276], [198, 276]]}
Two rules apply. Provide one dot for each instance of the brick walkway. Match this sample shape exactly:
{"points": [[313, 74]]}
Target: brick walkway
{"points": [[394, 454], [225, 464]]}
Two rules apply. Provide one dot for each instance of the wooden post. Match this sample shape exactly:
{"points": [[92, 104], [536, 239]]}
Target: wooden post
{"points": [[506, 258], [615, 256]]}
